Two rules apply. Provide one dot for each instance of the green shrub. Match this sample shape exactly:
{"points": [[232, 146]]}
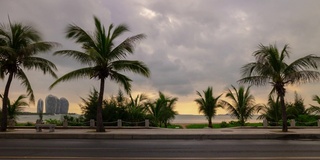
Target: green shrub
{"points": [[224, 124], [54, 121], [196, 126], [25, 124], [307, 120], [75, 121]]}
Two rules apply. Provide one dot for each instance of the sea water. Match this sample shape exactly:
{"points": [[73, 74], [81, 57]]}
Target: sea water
{"points": [[179, 119]]}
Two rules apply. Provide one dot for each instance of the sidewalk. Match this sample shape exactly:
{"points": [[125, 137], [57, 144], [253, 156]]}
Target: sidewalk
{"points": [[162, 133]]}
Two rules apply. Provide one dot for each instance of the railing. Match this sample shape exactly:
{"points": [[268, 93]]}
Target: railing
{"points": [[292, 123], [119, 123]]}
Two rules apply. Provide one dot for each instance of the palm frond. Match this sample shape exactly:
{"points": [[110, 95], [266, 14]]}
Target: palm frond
{"points": [[133, 66], [254, 80], [81, 36], [76, 74], [81, 57], [122, 80], [41, 64], [127, 46], [118, 31], [25, 82], [37, 47]]}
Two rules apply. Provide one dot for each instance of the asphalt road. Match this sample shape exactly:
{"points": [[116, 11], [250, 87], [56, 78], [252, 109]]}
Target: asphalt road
{"points": [[158, 149]]}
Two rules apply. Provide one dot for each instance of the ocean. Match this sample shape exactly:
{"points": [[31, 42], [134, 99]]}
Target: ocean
{"points": [[179, 119]]}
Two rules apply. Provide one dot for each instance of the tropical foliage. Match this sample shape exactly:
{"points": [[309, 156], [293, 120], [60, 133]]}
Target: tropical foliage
{"points": [[313, 108], [270, 67], [208, 104], [19, 46], [296, 108], [271, 112], [242, 104], [137, 108], [16, 107], [104, 58], [131, 110], [162, 110]]}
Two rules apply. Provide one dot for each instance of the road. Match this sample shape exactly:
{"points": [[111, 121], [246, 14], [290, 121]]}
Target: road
{"points": [[158, 149]]}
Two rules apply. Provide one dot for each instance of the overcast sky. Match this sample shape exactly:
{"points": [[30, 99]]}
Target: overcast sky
{"points": [[190, 44]]}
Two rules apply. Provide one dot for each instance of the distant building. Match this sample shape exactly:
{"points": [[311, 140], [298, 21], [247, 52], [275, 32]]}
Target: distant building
{"points": [[64, 105], [55, 105], [51, 104], [40, 106]]}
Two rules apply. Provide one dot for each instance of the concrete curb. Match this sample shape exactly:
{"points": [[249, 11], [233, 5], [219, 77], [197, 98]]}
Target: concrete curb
{"points": [[156, 136]]}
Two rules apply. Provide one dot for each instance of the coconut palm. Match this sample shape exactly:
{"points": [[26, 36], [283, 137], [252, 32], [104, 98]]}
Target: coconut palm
{"points": [[208, 104], [104, 58], [162, 109], [270, 67], [242, 104], [19, 46], [271, 111]]}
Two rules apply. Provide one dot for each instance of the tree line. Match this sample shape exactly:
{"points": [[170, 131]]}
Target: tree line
{"points": [[21, 44]]}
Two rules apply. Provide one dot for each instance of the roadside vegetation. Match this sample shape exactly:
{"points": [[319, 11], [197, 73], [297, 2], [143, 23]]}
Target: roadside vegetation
{"points": [[20, 46]]}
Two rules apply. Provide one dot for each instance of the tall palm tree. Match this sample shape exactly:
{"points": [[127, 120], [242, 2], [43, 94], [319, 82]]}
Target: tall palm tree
{"points": [[162, 109], [242, 105], [19, 46], [271, 111], [270, 67], [104, 58], [208, 104]]}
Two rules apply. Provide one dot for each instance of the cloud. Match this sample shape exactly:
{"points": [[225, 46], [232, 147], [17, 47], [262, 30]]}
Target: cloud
{"points": [[189, 45]]}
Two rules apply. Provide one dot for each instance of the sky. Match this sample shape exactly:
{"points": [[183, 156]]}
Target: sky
{"points": [[190, 44]]}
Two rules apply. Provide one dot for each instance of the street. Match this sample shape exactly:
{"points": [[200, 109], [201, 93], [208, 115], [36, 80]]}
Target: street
{"points": [[158, 149]]}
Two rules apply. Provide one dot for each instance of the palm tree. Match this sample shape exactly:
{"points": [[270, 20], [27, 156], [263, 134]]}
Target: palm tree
{"points": [[16, 107], [270, 67], [136, 108], [271, 112], [19, 45], [104, 58], [314, 109], [208, 104], [242, 105], [162, 109]]}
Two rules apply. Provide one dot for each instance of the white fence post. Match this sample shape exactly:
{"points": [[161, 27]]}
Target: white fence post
{"points": [[92, 123], [292, 123], [119, 123], [265, 122], [147, 123], [65, 123], [11, 123]]}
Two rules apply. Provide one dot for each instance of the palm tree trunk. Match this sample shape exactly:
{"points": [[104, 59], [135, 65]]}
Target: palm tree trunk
{"points": [[5, 104], [284, 115], [281, 91], [100, 127], [210, 123]]}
